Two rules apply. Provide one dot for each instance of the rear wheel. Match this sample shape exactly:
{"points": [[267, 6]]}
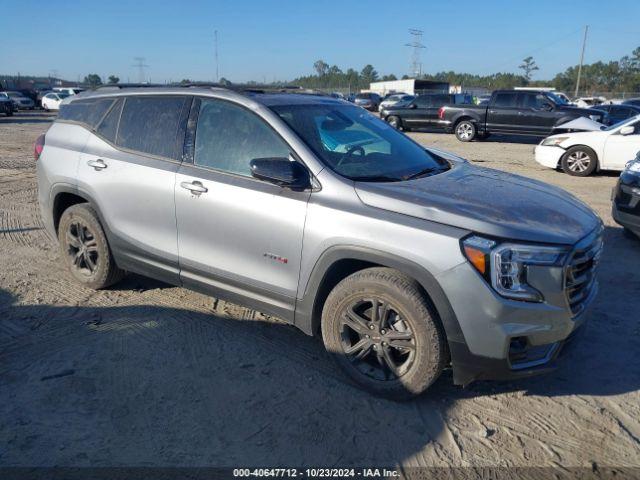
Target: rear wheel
{"points": [[466, 131], [383, 333], [84, 248], [579, 161]]}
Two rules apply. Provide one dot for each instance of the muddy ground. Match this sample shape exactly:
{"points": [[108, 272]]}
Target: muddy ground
{"points": [[152, 375]]}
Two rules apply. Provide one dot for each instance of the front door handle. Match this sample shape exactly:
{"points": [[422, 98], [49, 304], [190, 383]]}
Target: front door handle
{"points": [[97, 164], [194, 187]]}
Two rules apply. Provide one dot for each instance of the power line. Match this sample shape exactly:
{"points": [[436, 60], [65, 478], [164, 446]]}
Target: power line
{"points": [[531, 52], [140, 65], [416, 44]]}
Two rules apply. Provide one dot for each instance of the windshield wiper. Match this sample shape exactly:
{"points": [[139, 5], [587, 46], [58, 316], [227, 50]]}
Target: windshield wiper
{"points": [[376, 178], [425, 172]]}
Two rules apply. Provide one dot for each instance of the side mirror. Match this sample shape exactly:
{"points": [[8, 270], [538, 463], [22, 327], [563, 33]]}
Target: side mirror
{"points": [[281, 171], [628, 130], [413, 105]]}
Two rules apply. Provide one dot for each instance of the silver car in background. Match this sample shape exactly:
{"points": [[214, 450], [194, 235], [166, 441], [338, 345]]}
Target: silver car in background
{"points": [[405, 260], [395, 100]]}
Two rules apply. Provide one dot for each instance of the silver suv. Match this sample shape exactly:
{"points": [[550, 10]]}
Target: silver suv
{"points": [[407, 260]]}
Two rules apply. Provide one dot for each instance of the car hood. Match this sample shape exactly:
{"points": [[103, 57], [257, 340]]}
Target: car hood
{"points": [[581, 123], [489, 202]]}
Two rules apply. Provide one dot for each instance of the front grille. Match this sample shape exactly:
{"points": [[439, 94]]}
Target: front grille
{"points": [[580, 273]]}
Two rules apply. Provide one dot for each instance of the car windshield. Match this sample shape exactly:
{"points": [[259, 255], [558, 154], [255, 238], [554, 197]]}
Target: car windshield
{"points": [[359, 146], [62, 94], [619, 124], [14, 94], [557, 99]]}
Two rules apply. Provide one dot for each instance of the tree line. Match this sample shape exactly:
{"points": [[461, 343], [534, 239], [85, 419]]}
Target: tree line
{"points": [[615, 76]]}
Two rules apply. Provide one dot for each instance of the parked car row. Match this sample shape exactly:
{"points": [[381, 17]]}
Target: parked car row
{"points": [[27, 99], [19, 101]]}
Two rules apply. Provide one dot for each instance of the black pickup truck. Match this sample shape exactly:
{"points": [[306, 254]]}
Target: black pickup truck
{"points": [[518, 112], [422, 111]]}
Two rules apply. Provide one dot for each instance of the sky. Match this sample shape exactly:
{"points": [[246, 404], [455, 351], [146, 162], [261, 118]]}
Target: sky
{"points": [[280, 40]]}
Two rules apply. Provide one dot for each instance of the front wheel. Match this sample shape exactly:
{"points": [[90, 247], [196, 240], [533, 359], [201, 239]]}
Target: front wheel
{"points": [[579, 161], [466, 131], [383, 333], [394, 122]]}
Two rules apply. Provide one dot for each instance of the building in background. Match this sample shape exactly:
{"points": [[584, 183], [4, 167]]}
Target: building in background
{"points": [[412, 86]]}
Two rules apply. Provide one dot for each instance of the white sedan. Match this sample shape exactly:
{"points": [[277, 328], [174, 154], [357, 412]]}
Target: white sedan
{"points": [[52, 100], [582, 153]]}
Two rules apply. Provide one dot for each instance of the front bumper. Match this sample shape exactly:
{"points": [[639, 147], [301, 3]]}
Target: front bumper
{"points": [[502, 338], [468, 367], [626, 201], [548, 156]]}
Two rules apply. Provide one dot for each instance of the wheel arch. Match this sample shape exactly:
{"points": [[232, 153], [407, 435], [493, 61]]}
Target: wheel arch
{"points": [[461, 118], [582, 145], [64, 196], [338, 262]]}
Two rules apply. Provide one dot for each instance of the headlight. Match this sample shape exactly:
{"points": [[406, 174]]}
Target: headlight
{"points": [[553, 141], [505, 266], [633, 165]]}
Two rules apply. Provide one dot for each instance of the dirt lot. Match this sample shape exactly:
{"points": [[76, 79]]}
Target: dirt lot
{"points": [[151, 375]]}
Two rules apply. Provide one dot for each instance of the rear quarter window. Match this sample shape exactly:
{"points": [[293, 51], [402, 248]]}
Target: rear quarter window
{"points": [[87, 112]]}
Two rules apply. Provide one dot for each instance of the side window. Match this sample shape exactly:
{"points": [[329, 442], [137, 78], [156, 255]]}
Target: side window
{"points": [[88, 112], [149, 124], [423, 101], [440, 100], [505, 99], [228, 137], [109, 124]]}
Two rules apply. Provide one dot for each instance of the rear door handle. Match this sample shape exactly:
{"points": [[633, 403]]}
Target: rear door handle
{"points": [[97, 164], [194, 187]]}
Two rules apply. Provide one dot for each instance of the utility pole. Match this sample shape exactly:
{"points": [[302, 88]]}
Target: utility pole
{"points": [[416, 44], [584, 44], [140, 65], [215, 39]]}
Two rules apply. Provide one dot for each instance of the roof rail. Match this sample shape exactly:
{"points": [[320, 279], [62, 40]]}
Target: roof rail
{"points": [[118, 86], [240, 88]]}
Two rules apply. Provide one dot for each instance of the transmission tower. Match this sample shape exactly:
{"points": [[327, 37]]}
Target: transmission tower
{"points": [[140, 65], [416, 44]]}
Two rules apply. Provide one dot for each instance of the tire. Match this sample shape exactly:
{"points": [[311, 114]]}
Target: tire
{"points": [[395, 122], [84, 248], [466, 131], [363, 347], [579, 161]]}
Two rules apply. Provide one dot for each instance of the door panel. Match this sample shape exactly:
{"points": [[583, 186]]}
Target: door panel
{"points": [[503, 113], [241, 231], [238, 237], [135, 196], [619, 149], [536, 114]]}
